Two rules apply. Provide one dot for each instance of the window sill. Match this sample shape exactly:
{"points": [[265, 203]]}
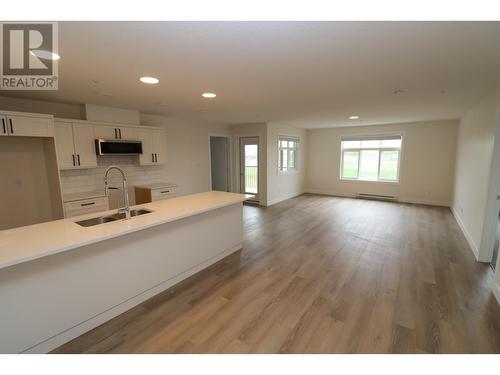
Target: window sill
{"points": [[370, 181]]}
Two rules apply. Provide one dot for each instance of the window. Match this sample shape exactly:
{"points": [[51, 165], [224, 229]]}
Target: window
{"points": [[288, 154], [371, 158]]}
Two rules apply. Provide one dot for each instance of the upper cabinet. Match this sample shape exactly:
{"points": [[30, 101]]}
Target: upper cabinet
{"points": [[111, 132], [154, 146], [75, 146], [26, 125]]}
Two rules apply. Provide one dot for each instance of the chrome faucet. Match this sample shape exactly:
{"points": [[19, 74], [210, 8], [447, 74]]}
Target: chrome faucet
{"points": [[125, 209]]}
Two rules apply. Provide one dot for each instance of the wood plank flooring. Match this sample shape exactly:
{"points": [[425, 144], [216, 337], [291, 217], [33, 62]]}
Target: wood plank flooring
{"points": [[323, 275]]}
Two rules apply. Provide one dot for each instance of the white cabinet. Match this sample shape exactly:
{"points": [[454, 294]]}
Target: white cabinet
{"points": [[27, 125], [75, 145], [85, 206], [159, 145], [154, 146], [110, 132], [154, 192]]}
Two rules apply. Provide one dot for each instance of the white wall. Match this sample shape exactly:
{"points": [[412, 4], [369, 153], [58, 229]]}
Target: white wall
{"points": [[108, 114], [427, 162], [30, 190], [476, 138], [62, 110], [284, 186], [187, 151]]}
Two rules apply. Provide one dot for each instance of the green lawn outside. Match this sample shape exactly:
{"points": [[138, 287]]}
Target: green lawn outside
{"points": [[388, 167]]}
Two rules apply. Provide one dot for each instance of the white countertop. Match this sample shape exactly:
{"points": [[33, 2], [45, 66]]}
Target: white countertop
{"points": [[81, 196], [31, 242]]}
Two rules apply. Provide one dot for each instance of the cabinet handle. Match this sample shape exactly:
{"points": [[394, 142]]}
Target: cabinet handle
{"points": [[156, 158], [152, 158], [87, 204], [165, 191], [120, 133], [78, 156], [74, 164], [11, 127], [4, 128], [116, 134]]}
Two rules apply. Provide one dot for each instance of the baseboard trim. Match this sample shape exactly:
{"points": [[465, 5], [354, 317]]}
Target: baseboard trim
{"points": [[467, 236], [78, 330], [400, 199], [496, 292]]}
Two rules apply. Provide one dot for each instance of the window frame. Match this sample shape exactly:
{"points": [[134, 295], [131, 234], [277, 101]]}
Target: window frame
{"points": [[379, 149], [296, 140]]}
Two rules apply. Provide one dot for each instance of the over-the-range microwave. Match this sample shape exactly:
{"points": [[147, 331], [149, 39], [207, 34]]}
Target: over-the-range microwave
{"points": [[117, 147]]}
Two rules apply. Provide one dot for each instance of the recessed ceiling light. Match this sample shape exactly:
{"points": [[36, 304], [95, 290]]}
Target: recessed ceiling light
{"points": [[353, 117], [208, 95], [46, 55], [150, 80]]}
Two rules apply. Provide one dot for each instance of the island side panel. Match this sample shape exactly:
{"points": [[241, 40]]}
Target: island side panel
{"points": [[49, 301]]}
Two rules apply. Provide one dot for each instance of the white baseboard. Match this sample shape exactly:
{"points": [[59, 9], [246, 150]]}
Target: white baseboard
{"points": [[496, 292], [425, 201], [68, 335], [470, 241], [400, 199]]}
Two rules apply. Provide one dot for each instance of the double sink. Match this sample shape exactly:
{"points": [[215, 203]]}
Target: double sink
{"points": [[110, 218]]}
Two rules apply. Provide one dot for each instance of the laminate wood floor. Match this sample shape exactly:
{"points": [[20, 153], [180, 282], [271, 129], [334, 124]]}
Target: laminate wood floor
{"points": [[323, 275]]}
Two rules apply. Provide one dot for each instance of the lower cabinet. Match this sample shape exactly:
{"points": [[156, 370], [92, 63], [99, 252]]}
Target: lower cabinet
{"points": [[85, 206], [155, 192]]}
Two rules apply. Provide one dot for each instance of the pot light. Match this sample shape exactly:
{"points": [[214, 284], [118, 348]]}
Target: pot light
{"points": [[150, 80], [208, 95], [46, 55], [353, 117]]}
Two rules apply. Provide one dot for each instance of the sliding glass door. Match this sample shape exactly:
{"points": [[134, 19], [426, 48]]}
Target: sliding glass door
{"points": [[249, 165]]}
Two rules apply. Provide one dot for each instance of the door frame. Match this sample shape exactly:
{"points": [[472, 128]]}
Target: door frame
{"points": [[492, 203], [229, 160], [241, 161]]}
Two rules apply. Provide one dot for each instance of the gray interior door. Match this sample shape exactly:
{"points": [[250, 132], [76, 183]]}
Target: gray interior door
{"points": [[219, 162]]}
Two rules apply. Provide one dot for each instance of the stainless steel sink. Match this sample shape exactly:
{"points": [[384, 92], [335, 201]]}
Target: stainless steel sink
{"points": [[107, 219]]}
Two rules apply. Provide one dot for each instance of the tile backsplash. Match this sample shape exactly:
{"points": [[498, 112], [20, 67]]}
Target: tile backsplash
{"points": [[84, 180]]}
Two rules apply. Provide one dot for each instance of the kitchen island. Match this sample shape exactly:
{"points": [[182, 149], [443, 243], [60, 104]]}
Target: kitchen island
{"points": [[58, 279]]}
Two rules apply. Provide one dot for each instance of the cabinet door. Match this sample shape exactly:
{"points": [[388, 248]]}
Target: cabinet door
{"points": [[3, 126], [159, 145], [26, 126], [65, 149], [130, 134], [106, 132], [147, 157], [84, 140]]}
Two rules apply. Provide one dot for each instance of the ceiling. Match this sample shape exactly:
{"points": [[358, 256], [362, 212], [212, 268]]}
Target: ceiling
{"points": [[307, 74]]}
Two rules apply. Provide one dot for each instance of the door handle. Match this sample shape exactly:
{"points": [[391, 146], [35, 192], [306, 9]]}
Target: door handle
{"points": [[78, 156], [4, 128], [11, 127]]}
